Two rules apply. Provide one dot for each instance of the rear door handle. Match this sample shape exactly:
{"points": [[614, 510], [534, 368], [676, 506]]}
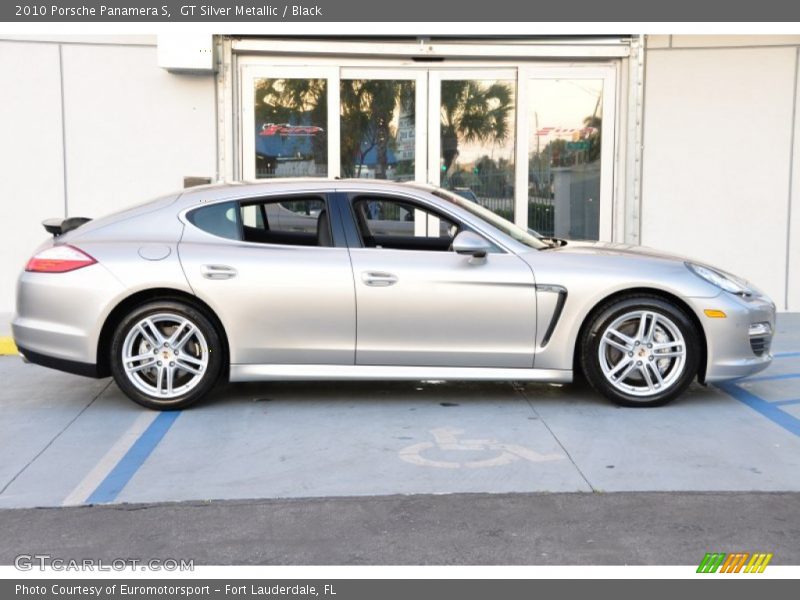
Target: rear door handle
{"points": [[217, 272], [378, 278]]}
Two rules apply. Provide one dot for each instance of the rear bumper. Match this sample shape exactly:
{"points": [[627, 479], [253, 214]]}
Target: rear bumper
{"points": [[61, 364], [60, 315]]}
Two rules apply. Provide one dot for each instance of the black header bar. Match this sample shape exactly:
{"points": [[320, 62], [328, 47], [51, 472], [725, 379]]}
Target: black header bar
{"points": [[537, 11]]}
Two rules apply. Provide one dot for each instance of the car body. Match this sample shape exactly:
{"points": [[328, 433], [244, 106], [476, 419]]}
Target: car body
{"points": [[355, 279]]}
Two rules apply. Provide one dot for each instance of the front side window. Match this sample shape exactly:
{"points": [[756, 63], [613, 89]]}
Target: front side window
{"points": [[401, 225]]}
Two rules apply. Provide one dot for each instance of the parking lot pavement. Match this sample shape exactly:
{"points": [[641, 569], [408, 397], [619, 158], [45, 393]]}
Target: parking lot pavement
{"points": [[38, 406], [66, 440]]}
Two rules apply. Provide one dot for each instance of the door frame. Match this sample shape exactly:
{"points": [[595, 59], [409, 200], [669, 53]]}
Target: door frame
{"points": [[427, 83]]}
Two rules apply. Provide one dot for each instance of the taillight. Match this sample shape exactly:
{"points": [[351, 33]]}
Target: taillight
{"points": [[59, 259]]}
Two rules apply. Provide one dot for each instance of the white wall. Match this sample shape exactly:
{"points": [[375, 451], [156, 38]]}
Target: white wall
{"points": [[131, 131], [718, 135], [793, 266], [31, 174]]}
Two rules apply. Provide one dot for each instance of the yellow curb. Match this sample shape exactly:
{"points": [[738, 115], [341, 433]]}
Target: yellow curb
{"points": [[7, 347]]}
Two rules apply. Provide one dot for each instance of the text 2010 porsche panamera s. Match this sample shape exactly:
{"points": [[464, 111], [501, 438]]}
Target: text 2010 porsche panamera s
{"points": [[320, 279]]}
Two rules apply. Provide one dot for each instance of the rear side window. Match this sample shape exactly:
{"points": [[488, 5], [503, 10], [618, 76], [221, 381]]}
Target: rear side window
{"points": [[218, 219], [293, 221]]}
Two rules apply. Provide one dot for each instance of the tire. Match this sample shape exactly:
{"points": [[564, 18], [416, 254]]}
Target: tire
{"points": [[640, 350], [166, 355]]}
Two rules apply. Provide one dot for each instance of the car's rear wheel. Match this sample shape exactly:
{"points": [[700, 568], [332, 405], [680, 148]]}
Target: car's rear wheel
{"points": [[166, 355], [640, 351]]}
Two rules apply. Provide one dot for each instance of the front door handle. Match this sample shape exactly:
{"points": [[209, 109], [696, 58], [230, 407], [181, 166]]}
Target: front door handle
{"points": [[378, 278], [217, 272]]}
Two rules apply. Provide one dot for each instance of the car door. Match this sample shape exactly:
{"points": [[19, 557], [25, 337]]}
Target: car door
{"points": [[276, 270], [421, 304]]}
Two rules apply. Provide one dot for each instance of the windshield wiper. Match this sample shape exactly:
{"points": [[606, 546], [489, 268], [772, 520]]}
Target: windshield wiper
{"points": [[554, 242]]}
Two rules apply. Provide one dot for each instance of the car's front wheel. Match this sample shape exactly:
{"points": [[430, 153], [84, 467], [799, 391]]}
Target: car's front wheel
{"points": [[640, 351], [166, 355]]}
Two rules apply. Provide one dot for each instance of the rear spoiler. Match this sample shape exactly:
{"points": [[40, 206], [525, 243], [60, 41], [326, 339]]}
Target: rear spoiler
{"points": [[59, 226]]}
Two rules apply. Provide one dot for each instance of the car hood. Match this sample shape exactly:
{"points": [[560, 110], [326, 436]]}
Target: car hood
{"points": [[610, 248], [580, 247]]}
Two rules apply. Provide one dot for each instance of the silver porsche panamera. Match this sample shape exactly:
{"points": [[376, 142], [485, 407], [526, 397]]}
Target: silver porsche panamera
{"points": [[325, 280]]}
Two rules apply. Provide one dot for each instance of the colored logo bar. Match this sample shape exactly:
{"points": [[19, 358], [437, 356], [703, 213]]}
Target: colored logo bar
{"points": [[736, 562]]}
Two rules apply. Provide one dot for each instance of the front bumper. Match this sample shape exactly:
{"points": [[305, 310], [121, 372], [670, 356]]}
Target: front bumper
{"points": [[739, 344]]}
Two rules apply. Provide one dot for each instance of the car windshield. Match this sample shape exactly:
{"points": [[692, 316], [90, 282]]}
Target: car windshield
{"points": [[527, 237]]}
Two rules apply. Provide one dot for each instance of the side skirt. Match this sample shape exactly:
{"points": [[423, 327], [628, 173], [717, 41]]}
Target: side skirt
{"points": [[386, 373]]}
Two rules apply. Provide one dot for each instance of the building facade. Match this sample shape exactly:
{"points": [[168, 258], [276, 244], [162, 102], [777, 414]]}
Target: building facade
{"points": [[682, 143]]}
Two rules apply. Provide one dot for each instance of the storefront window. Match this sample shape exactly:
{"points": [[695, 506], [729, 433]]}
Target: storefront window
{"points": [[565, 118], [378, 129], [477, 142], [291, 117], [381, 115]]}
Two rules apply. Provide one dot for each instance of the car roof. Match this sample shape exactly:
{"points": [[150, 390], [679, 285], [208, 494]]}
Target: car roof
{"points": [[240, 189]]}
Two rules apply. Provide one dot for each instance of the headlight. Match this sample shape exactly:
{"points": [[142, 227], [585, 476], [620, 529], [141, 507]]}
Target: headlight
{"points": [[729, 283]]}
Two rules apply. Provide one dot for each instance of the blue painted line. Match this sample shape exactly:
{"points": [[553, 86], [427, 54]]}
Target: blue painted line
{"points": [[785, 402], [126, 468], [767, 409], [772, 377], [785, 354]]}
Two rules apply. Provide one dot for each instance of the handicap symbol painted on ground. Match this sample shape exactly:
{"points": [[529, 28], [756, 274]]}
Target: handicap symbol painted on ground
{"points": [[446, 438]]}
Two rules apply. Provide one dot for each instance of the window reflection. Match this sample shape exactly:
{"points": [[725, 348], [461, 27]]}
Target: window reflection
{"points": [[291, 128], [477, 142], [378, 129], [565, 118]]}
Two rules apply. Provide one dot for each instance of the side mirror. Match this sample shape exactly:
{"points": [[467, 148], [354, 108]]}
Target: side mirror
{"points": [[471, 243]]}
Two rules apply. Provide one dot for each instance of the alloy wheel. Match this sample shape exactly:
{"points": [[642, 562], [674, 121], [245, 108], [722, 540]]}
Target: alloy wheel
{"points": [[165, 355], [642, 353]]}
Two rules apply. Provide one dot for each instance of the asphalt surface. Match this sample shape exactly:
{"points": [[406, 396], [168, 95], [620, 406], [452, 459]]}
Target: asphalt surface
{"points": [[485, 529]]}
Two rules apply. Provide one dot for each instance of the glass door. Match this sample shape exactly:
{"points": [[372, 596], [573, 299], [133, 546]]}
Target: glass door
{"points": [[567, 140], [383, 123], [473, 135], [286, 124]]}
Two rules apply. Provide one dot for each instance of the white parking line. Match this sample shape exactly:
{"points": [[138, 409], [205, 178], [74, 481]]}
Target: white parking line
{"points": [[109, 461]]}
